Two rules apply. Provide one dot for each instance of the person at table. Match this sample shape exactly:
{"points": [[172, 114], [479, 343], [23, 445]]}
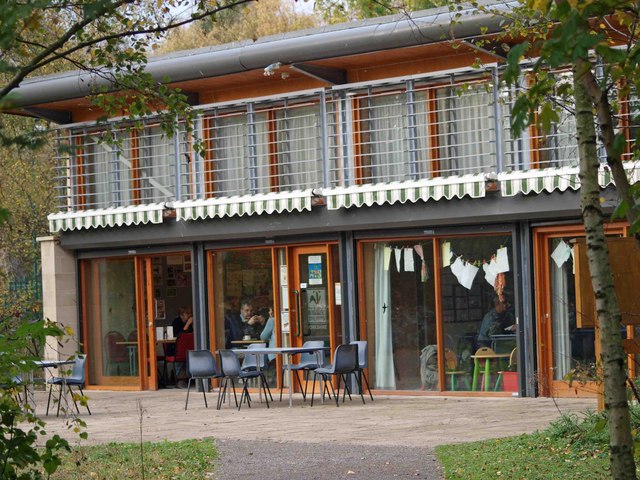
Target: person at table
{"points": [[235, 324], [268, 332], [183, 323], [497, 321]]}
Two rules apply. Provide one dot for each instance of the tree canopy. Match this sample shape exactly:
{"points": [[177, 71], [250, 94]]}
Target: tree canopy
{"points": [[248, 22]]}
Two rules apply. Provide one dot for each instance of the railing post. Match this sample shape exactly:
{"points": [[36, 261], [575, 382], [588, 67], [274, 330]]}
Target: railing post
{"points": [[412, 134], [326, 178], [253, 154], [198, 160], [176, 152], [497, 119], [285, 155], [117, 198], [346, 127]]}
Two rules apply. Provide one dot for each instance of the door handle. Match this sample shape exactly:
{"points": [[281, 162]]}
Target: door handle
{"points": [[298, 314]]}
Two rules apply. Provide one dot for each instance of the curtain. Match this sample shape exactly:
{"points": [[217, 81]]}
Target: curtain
{"points": [[387, 138], [299, 149], [97, 161], [232, 162], [466, 129], [423, 155], [560, 317], [157, 166], [263, 178], [384, 367]]}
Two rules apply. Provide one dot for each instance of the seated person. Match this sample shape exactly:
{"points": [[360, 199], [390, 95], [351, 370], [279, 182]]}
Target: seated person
{"points": [[497, 321], [183, 323], [236, 323], [255, 325]]}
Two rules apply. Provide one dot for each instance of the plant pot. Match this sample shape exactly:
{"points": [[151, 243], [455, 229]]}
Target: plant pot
{"points": [[510, 381]]}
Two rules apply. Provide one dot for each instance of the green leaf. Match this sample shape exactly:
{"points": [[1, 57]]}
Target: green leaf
{"points": [[512, 73], [548, 116]]}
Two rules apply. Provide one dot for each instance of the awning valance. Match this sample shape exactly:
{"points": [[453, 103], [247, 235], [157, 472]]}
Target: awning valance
{"points": [[106, 217], [279, 202], [409, 191], [556, 179]]}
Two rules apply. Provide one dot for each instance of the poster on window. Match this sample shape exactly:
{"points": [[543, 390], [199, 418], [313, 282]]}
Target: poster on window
{"points": [[317, 317], [315, 270]]}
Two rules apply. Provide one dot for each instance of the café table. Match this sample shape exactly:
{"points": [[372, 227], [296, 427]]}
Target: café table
{"points": [[487, 357], [132, 352], [286, 353]]}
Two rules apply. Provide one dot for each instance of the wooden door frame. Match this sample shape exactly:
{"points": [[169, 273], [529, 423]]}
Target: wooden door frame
{"points": [[542, 284], [147, 371], [293, 254]]}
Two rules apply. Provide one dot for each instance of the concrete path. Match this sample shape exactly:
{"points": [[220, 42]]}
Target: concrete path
{"points": [[370, 438]]}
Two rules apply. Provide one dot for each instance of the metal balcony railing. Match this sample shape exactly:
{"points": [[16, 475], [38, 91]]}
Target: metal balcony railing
{"points": [[417, 128]]}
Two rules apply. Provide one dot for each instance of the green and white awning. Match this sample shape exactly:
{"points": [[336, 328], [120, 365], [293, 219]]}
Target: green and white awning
{"points": [[556, 179], [106, 217], [409, 191], [258, 204]]}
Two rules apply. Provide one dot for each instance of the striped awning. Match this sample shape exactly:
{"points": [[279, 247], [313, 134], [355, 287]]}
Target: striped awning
{"points": [[106, 217], [277, 202], [556, 179], [408, 191]]}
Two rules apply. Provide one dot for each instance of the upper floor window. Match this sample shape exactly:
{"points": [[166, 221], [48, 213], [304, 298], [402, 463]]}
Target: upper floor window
{"points": [[263, 148], [423, 129]]}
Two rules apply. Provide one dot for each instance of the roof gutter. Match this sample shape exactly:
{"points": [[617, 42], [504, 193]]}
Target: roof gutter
{"points": [[357, 38]]}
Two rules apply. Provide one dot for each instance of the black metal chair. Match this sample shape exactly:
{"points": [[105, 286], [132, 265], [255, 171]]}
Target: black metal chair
{"points": [[308, 362], [231, 369], [363, 362], [76, 379], [201, 366], [345, 362]]}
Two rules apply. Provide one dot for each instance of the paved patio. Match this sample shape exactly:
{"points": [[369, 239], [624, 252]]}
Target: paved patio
{"points": [[416, 421]]}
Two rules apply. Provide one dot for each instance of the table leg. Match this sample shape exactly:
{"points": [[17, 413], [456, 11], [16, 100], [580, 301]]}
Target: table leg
{"points": [[476, 368], [487, 373], [318, 362], [287, 358]]}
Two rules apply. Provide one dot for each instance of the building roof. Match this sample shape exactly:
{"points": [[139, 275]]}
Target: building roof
{"points": [[367, 36]]}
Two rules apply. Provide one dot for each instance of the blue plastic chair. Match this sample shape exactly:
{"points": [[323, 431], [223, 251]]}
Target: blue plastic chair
{"points": [[231, 369], [76, 379], [201, 366], [345, 362], [363, 362]]}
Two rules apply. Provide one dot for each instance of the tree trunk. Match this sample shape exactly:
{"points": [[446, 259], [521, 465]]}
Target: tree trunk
{"points": [[612, 356], [606, 122]]}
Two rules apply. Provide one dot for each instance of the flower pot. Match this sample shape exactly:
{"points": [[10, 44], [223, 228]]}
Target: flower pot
{"points": [[510, 381]]}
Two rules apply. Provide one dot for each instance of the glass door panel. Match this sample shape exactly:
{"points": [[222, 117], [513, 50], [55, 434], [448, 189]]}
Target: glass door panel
{"points": [[398, 287], [109, 307], [565, 349], [313, 310]]}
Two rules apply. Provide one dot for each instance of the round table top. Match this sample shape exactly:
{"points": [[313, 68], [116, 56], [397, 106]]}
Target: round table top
{"points": [[491, 355]]}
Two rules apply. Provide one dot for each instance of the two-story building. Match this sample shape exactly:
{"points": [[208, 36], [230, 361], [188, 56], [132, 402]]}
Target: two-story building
{"points": [[360, 179]]}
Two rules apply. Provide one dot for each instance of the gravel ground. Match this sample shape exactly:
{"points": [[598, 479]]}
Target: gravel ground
{"points": [[261, 459]]}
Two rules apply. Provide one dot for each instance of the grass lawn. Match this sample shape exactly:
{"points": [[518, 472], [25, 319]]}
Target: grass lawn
{"points": [[185, 460], [568, 449]]}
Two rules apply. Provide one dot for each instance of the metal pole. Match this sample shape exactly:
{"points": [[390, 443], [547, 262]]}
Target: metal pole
{"points": [[497, 120], [176, 154], [326, 178], [253, 154], [412, 133]]}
